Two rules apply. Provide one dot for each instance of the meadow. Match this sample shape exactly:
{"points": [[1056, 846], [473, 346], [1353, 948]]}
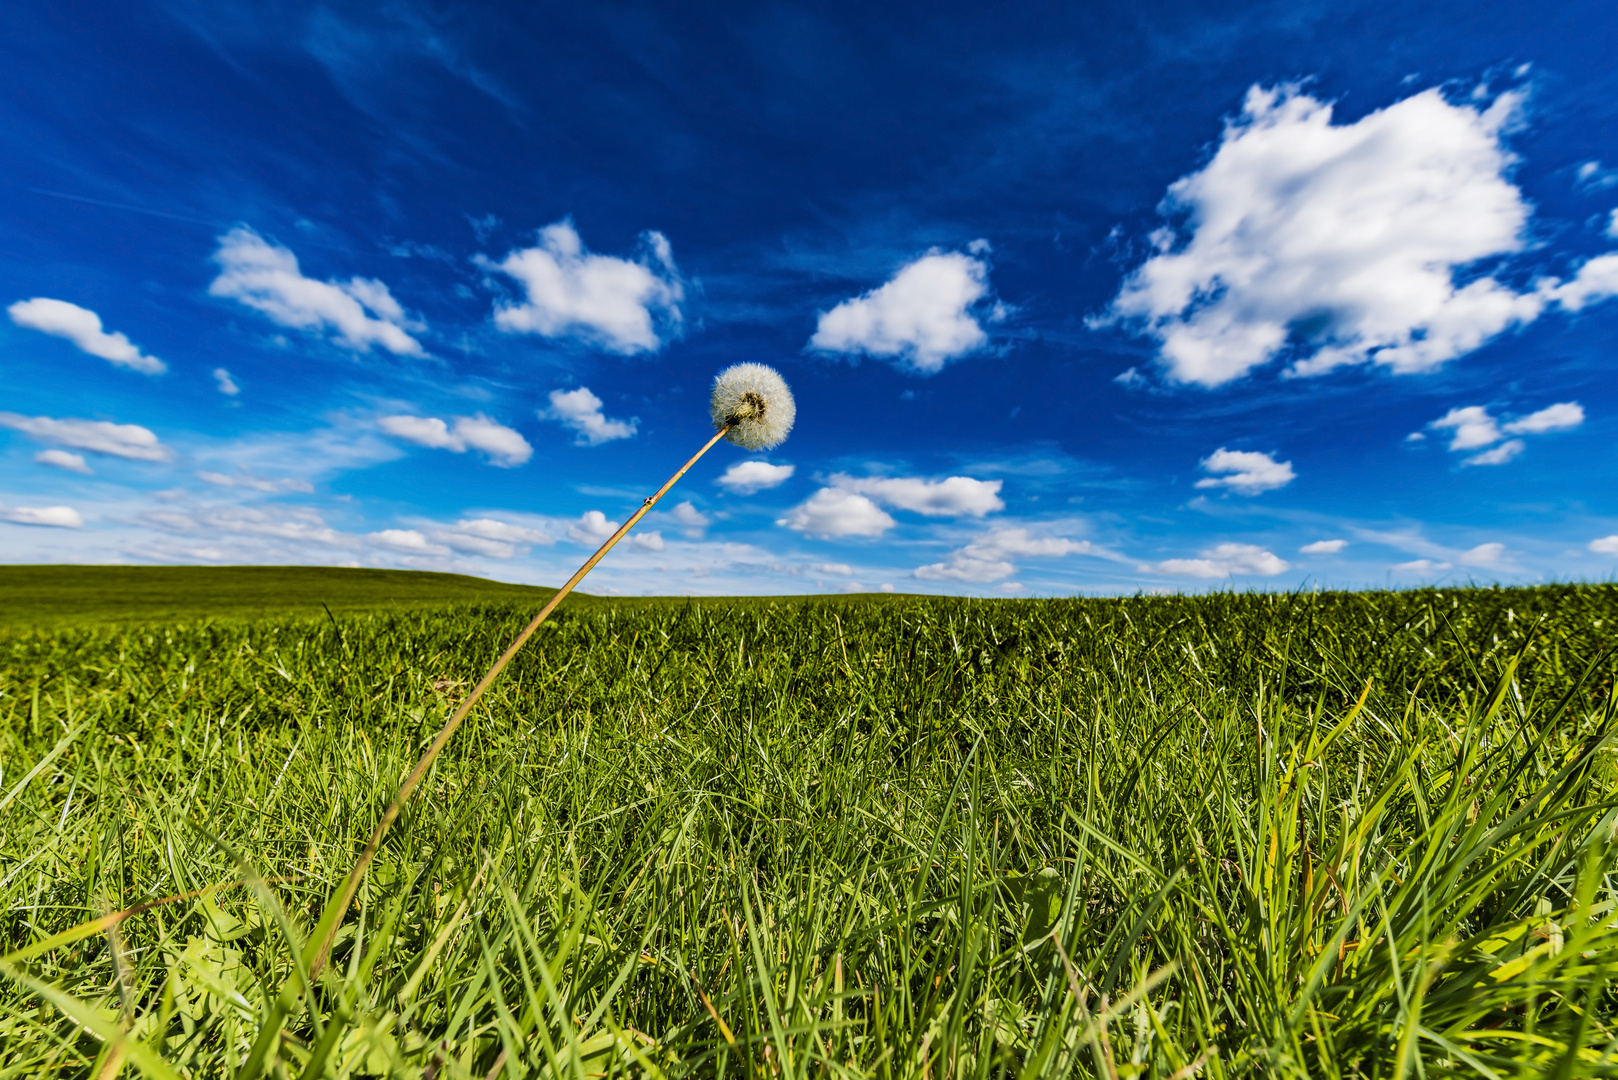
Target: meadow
{"points": [[1233, 835]]}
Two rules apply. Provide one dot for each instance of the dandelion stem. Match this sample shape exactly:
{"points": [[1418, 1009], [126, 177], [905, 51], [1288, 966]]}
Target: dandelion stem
{"points": [[334, 912]]}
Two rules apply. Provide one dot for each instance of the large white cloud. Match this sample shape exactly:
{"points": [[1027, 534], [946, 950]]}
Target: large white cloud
{"points": [[953, 496], [1341, 243], [1606, 545], [57, 517], [265, 277], [923, 318], [592, 529], [580, 410], [988, 557], [751, 477], [1474, 428], [831, 513], [82, 327], [1227, 560], [504, 446], [489, 537], [97, 436], [1245, 471], [621, 305]]}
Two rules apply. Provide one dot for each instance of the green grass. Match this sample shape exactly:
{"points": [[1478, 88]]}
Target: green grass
{"points": [[50, 596], [1325, 835]]}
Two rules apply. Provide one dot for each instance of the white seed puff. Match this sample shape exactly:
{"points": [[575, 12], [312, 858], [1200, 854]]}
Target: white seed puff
{"points": [[754, 400]]}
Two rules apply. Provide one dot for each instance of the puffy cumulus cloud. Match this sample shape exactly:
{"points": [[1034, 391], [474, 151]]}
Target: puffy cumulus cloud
{"points": [[226, 384], [1559, 417], [61, 459], [923, 318], [1596, 280], [651, 540], [751, 477], [1323, 547], [988, 557], [1606, 545], [580, 410], [592, 529], [1246, 472], [504, 446], [56, 517], [1474, 428], [97, 436], [954, 496], [246, 481], [831, 513], [1227, 560], [620, 305], [490, 538], [1339, 243], [409, 541], [361, 312], [82, 327]]}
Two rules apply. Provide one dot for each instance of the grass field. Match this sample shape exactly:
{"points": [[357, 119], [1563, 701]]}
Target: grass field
{"points": [[1324, 835]]}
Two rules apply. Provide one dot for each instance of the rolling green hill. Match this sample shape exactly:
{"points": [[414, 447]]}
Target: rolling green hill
{"points": [[50, 596]]}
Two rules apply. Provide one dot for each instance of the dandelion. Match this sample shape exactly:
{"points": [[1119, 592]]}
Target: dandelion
{"points": [[752, 407]]}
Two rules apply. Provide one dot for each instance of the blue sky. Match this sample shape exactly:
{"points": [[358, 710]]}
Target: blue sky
{"points": [[1073, 299]]}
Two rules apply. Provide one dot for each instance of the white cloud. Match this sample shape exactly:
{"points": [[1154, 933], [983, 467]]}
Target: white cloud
{"points": [[842, 569], [988, 557], [750, 477], [831, 513], [954, 496], [227, 385], [1558, 417], [923, 317], [1473, 427], [651, 540], [690, 519], [491, 538], [621, 305], [592, 529], [1606, 545], [504, 446], [1499, 455], [407, 540], [1612, 225], [1485, 555], [1245, 471], [1342, 239], [1226, 560], [246, 480], [1421, 566], [97, 436], [61, 459], [58, 517], [299, 524], [1323, 547], [1596, 280], [82, 327], [265, 277], [581, 410]]}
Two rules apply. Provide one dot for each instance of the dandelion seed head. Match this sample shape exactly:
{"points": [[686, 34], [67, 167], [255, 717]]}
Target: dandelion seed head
{"points": [[754, 400]]}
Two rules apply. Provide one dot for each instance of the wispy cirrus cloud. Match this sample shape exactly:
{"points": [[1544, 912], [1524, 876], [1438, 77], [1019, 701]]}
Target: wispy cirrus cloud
{"points": [[83, 328]]}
